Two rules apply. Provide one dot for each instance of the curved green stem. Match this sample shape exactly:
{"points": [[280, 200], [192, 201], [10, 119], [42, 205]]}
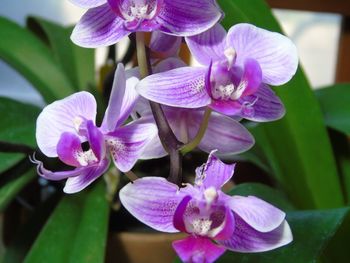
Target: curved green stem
{"points": [[200, 134]]}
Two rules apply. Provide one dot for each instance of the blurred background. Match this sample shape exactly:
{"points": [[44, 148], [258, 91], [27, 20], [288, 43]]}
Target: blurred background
{"points": [[316, 35]]}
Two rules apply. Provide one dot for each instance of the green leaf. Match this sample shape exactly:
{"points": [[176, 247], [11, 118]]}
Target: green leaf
{"points": [[264, 192], [297, 146], [17, 122], [30, 57], [76, 231], [9, 159], [311, 231], [27, 233], [13, 187], [78, 63], [334, 101]]}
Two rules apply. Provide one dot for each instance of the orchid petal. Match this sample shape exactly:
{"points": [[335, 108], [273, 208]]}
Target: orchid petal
{"points": [[122, 99], [68, 147], [128, 143], [214, 173], [89, 175], [188, 18], [63, 116], [166, 44], [275, 53], [262, 106], [169, 64], [197, 250], [98, 27], [96, 140], [208, 46], [223, 133], [252, 76], [88, 3], [227, 107], [246, 239], [152, 200], [257, 213], [56, 176], [178, 219], [181, 87], [227, 227]]}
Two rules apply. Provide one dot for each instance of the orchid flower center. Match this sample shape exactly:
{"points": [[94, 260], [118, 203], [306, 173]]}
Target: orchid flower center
{"points": [[77, 122], [231, 55], [86, 158], [226, 84], [135, 12]]}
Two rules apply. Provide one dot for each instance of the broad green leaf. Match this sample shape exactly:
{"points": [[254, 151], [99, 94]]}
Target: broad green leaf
{"points": [[30, 57], [9, 159], [264, 192], [311, 232], [76, 231], [27, 233], [17, 126], [17, 122], [13, 187], [297, 146], [76, 62], [335, 104]]}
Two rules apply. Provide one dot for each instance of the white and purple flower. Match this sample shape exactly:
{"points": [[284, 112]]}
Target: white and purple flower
{"points": [[237, 68], [63, 126], [236, 223], [108, 21]]}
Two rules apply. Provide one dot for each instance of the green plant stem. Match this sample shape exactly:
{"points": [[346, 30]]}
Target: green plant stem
{"points": [[200, 134], [166, 135]]}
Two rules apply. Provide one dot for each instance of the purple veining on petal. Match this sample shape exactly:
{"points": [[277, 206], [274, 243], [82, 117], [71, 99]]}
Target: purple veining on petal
{"points": [[88, 3]]}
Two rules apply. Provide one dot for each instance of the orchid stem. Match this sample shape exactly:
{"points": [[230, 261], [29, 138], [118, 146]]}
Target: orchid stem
{"points": [[131, 175], [200, 134], [166, 135]]}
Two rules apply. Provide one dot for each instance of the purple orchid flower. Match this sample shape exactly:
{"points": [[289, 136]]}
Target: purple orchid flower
{"points": [[236, 223], [225, 134], [237, 66], [64, 125], [108, 21]]}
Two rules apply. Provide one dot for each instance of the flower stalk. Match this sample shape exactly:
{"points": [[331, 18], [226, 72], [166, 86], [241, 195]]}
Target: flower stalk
{"points": [[166, 135], [200, 134]]}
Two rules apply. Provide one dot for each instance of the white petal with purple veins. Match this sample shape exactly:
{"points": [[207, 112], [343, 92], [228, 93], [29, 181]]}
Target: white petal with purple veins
{"points": [[208, 46], [99, 27], [188, 18], [257, 213], [88, 3], [181, 87], [276, 54], [61, 116], [153, 201]]}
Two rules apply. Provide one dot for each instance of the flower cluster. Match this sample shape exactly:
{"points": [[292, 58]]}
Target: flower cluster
{"points": [[199, 106]]}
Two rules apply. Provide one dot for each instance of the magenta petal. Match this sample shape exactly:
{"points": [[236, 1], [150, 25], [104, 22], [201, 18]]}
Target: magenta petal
{"points": [[68, 147], [227, 107], [188, 18], [223, 133], [63, 116], [275, 53], [88, 3], [88, 176], [252, 76], [262, 106], [197, 250], [257, 213], [228, 226], [153, 201], [166, 44], [246, 239], [181, 87], [214, 173], [128, 143], [56, 176], [179, 213], [96, 140], [99, 27], [208, 46]]}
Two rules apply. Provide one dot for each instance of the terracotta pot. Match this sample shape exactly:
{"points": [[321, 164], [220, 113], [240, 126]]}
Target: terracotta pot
{"points": [[130, 247]]}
